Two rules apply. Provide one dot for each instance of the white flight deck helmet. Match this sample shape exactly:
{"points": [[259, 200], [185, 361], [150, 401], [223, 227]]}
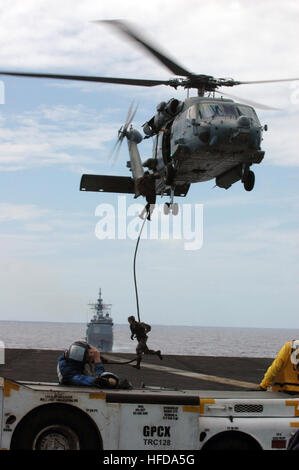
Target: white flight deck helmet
{"points": [[295, 353]]}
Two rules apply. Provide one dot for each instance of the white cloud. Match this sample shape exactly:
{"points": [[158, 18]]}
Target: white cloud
{"points": [[223, 39], [53, 135], [29, 230], [38, 227], [19, 212], [281, 142]]}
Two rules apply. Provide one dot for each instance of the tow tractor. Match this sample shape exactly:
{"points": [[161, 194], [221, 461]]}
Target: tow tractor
{"points": [[48, 416]]}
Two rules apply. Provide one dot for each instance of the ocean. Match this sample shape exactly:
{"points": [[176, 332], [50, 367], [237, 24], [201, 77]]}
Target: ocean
{"points": [[182, 340]]}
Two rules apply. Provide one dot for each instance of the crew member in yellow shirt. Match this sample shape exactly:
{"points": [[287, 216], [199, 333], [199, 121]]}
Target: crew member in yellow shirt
{"points": [[283, 374]]}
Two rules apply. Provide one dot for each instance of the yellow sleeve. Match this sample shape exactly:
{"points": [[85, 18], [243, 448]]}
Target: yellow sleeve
{"points": [[276, 366]]}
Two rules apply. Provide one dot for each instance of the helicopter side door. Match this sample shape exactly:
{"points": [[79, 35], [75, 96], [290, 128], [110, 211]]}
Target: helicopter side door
{"points": [[187, 131], [161, 150]]}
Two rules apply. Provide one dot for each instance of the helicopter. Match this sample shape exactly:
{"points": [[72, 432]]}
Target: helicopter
{"points": [[196, 140]]}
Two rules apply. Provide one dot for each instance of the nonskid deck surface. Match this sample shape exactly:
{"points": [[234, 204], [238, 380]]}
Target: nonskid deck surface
{"points": [[174, 372]]}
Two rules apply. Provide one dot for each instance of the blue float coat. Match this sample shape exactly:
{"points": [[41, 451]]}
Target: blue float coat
{"points": [[71, 372]]}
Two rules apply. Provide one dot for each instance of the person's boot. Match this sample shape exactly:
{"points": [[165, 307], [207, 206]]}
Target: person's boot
{"points": [[138, 364]]}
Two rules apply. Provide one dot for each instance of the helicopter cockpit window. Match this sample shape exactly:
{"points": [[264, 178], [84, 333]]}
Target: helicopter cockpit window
{"points": [[216, 109], [230, 110], [191, 112], [249, 112], [211, 110]]}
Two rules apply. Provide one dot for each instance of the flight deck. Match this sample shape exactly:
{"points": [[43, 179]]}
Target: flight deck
{"points": [[174, 372]]}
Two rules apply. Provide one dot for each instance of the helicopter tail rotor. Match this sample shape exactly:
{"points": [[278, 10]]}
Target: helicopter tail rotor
{"points": [[123, 132]]}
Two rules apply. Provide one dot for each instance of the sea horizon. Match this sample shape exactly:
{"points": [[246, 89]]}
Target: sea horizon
{"points": [[171, 339]]}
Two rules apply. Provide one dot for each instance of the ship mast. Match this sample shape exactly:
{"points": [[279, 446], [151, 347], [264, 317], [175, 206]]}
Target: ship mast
{"points": [[100, 308]]}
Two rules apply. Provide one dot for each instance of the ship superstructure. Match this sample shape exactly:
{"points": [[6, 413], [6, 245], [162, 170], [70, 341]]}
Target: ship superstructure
{"points": [[99, 331]]}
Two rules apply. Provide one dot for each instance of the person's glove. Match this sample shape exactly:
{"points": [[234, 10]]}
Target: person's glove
{"points": [[132, 336], [101, 382]]}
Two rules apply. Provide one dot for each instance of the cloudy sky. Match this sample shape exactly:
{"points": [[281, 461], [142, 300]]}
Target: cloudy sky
{"points": [[51, 261]]}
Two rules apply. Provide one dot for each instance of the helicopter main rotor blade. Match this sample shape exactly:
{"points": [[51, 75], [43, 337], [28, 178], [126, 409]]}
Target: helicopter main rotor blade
{"points": [[119, 81], [250, 102], [266, 81], [129, 31]]}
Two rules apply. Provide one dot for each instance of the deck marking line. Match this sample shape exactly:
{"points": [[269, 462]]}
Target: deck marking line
{"points": [[192, 375]]}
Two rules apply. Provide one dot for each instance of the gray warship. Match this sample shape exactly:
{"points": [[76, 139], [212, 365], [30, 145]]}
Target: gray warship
{"points": [[99, 330]]}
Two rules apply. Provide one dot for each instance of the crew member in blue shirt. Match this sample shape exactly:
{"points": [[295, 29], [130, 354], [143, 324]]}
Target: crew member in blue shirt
{"points": [[81, 364]]}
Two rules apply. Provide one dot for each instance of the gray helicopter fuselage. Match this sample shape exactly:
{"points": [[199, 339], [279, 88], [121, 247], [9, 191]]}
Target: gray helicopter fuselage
{"points": [[197, 140], [209, 138]]}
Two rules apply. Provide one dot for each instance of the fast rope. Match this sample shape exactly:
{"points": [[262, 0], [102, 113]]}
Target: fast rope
{"points": [[136, 291], [105, 361], [134, 264]]}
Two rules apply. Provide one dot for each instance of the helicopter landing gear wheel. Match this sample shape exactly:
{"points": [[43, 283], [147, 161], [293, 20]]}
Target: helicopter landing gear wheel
{"points": [[168, 207], [171, 206], [248, 181], [175, 208]]}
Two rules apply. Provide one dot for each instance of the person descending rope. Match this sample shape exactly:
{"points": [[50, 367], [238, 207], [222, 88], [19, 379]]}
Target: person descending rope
{"points": [[146, 185], [140, 330]]}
